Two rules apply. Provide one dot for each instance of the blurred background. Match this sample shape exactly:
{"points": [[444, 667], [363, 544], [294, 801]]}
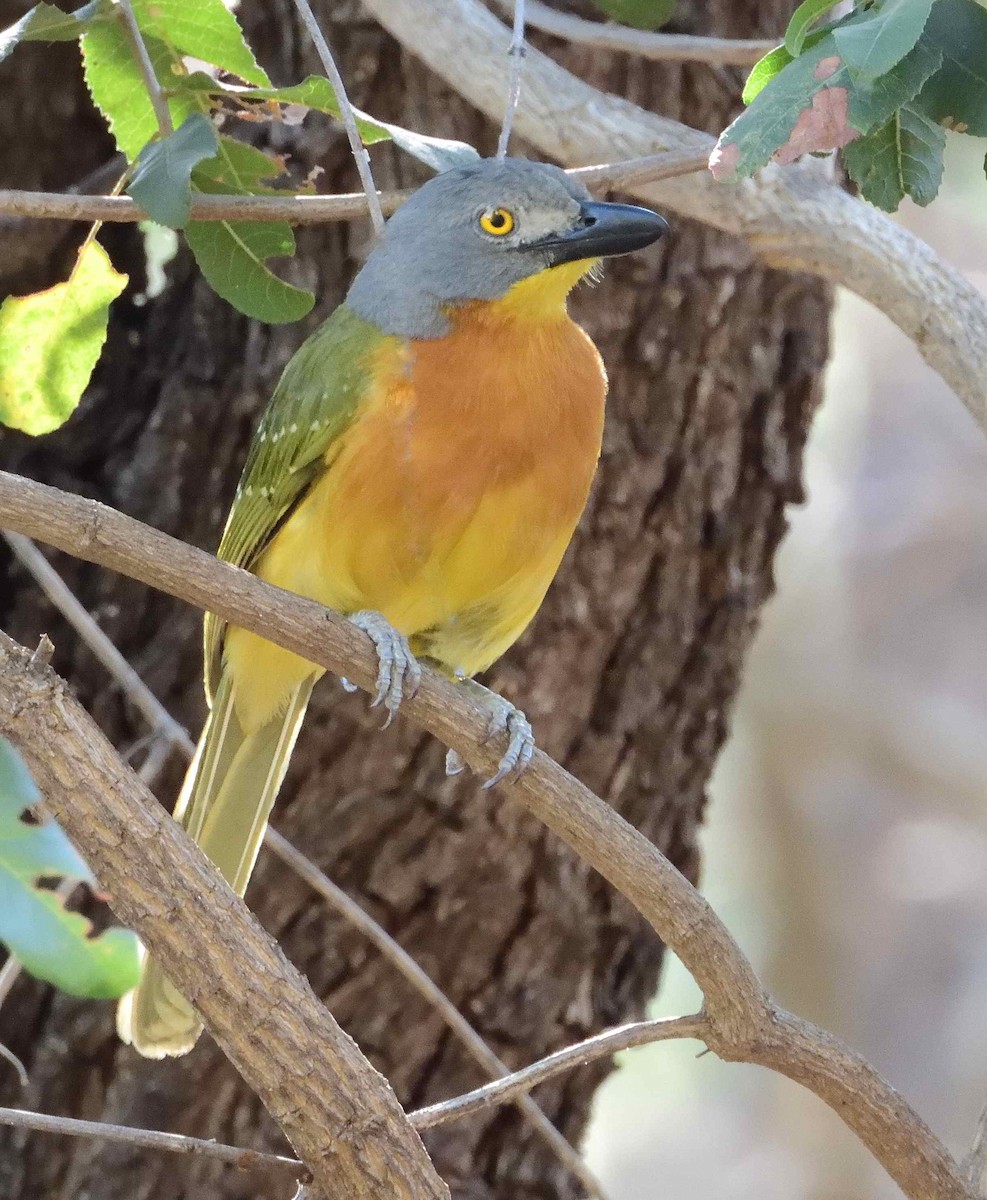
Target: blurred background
{"points": [[846, 839]]}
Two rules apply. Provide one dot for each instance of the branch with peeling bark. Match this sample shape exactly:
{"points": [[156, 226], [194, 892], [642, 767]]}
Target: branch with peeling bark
{"points": [[797, 217], [741, 1023]]}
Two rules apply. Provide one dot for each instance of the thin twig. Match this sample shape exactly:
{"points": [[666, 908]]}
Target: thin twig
{"points": [[433, 995], [168, 732], [661, 47], [501, 1091], [139, 48], [311, 210], [148, 1139], [107, 810], [130, 683], [641, 1033], [516, 55], [347, 116], [8, 1054]]}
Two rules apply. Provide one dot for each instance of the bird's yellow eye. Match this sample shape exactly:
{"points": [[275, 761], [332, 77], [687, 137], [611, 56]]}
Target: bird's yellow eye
{"points": [[498, 221]]}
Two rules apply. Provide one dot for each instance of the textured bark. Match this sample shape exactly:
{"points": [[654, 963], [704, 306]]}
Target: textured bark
{"points": [[628, 672]]}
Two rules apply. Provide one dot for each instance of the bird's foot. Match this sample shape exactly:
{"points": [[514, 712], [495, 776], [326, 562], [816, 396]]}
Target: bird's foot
{"points": [[398, 671], [504, 718]]}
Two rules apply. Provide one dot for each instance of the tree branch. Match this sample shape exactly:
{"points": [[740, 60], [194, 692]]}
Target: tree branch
{"points": [[797, 218], [603, 1045], [311, 210], [148, 1139], [338, 1113], [661, 47], [168, 732], [744, 1025]]}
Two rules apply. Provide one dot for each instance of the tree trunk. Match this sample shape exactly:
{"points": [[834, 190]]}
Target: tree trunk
{"points": [[627, 673]]}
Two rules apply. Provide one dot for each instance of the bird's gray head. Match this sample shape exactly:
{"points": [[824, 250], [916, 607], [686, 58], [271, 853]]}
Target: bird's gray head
{"points": [[473, 232]]}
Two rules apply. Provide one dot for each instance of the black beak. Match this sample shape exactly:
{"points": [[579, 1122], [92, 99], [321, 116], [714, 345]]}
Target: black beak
{"points": [[603, 230]]}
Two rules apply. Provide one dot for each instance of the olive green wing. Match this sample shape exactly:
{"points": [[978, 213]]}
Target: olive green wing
{"points": [[316, 399]]}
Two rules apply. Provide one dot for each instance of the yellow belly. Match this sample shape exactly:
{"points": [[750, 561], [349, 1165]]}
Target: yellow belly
{"points": [[448, 503]]}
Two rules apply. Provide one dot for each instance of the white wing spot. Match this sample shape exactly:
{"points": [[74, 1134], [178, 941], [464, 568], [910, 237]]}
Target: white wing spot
{"points": [[292, 428]]}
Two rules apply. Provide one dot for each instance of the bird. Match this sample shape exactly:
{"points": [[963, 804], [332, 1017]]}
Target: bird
{"points": [[420, 468]]}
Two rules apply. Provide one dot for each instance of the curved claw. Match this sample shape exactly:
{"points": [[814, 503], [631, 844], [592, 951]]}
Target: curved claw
{"points": [[505, 718], [398, 671]]}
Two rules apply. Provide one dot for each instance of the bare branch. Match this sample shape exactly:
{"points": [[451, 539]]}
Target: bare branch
{"points": [[361, 155], [148, 1139], [744, 1025], [798, 218], [662, 47], [311, 210], [603, 1045], [338, 1113], [169, 732], [430, 991], [136, 39], [516, 54]]}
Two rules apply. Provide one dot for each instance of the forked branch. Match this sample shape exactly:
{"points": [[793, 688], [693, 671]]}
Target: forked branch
{"points": [[743, 1024]]}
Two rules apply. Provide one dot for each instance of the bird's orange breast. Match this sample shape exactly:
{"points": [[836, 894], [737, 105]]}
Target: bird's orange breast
{"points": [[449, 501]]}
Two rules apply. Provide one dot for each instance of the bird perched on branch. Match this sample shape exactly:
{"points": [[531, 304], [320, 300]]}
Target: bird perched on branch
{"points": [[421, 468]]}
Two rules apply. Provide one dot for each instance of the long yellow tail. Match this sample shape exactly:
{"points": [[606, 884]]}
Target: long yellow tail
{"points": [[224, 804]]}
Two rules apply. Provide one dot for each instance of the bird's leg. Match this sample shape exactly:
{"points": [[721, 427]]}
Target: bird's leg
{"points": [[397, 667], [504, 718]]}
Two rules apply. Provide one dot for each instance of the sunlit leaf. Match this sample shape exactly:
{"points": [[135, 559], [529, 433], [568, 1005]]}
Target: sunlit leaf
{"points": [[46, 939], [161, 183], [205, 29], [117, 87], [802, 20], [50, 341], [45, 23]]}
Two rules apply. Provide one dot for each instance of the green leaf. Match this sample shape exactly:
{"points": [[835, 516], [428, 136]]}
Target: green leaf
{"points": [[642, 14], [233, 255], [764, 70], [45, 23], [956, 96], [873, 46], [50, 341], [204, 29], [161, 184], [240, 169], [806, 15], [117, 87], [901, 158], [816, 104], [49, 941], [313, 92]]}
